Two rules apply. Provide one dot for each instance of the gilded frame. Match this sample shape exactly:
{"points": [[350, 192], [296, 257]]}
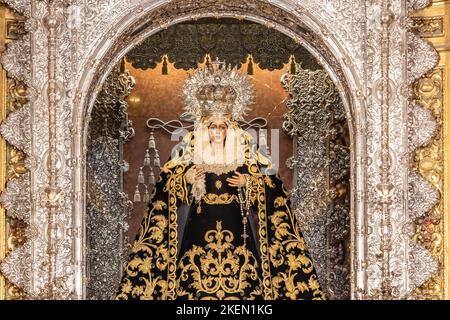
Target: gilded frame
{"points": [[433, 23]]}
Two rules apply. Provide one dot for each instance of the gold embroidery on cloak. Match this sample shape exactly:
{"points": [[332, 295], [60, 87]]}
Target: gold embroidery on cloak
{"points": [[155, 225], [283, 251], [218, 270], [177, 189], [224, 198]]}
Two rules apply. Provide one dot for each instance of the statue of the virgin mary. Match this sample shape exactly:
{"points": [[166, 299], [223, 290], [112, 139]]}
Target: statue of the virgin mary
{"points": [[219, 223]]}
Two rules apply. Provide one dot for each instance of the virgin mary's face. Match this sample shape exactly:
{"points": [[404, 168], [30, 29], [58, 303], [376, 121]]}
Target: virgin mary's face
{"points": [[217, 131]]}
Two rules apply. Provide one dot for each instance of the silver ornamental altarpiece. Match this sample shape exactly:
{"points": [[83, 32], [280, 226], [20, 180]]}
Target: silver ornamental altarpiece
{"points": [[71, 47]]}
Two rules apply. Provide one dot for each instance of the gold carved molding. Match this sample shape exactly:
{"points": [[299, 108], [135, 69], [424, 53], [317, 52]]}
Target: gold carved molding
{"points": [[12, 97], [429, 162], [2, 152], [429, 26], [432, 161]]}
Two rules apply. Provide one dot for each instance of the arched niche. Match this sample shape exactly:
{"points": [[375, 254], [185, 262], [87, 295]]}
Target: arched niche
{"points": [[148, 22], [307, 137]]}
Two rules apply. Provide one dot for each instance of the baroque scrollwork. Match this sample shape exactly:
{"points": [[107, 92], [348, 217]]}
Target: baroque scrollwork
{"points": [[16, 60], [414, 5], [421, 57], [16, 266], [16, 198], [422, 126], [316, 119], [17, 94], [15, 129], [21, 6], [108, 206], [420, 260], [427, 162], [422, 196], [187, 44], [428, 26], [220, 268], [15, 29]]}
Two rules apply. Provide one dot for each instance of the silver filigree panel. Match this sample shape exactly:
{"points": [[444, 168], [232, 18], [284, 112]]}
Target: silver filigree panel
{"points": [[321, 162], [108, 207]]}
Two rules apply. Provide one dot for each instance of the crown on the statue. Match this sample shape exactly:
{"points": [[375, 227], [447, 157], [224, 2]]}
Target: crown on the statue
{"points": [[217, 89], [216, 98]]}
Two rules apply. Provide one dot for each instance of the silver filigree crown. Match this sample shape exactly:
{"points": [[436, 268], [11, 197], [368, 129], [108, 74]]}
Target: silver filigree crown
{"points": [[217, 90]]}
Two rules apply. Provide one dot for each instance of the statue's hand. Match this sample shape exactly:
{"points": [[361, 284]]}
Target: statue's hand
{"points": [[194, 173], [237, 180]]}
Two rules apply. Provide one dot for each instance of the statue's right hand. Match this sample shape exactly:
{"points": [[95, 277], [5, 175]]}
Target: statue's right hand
{"points": [[194, 173]]}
